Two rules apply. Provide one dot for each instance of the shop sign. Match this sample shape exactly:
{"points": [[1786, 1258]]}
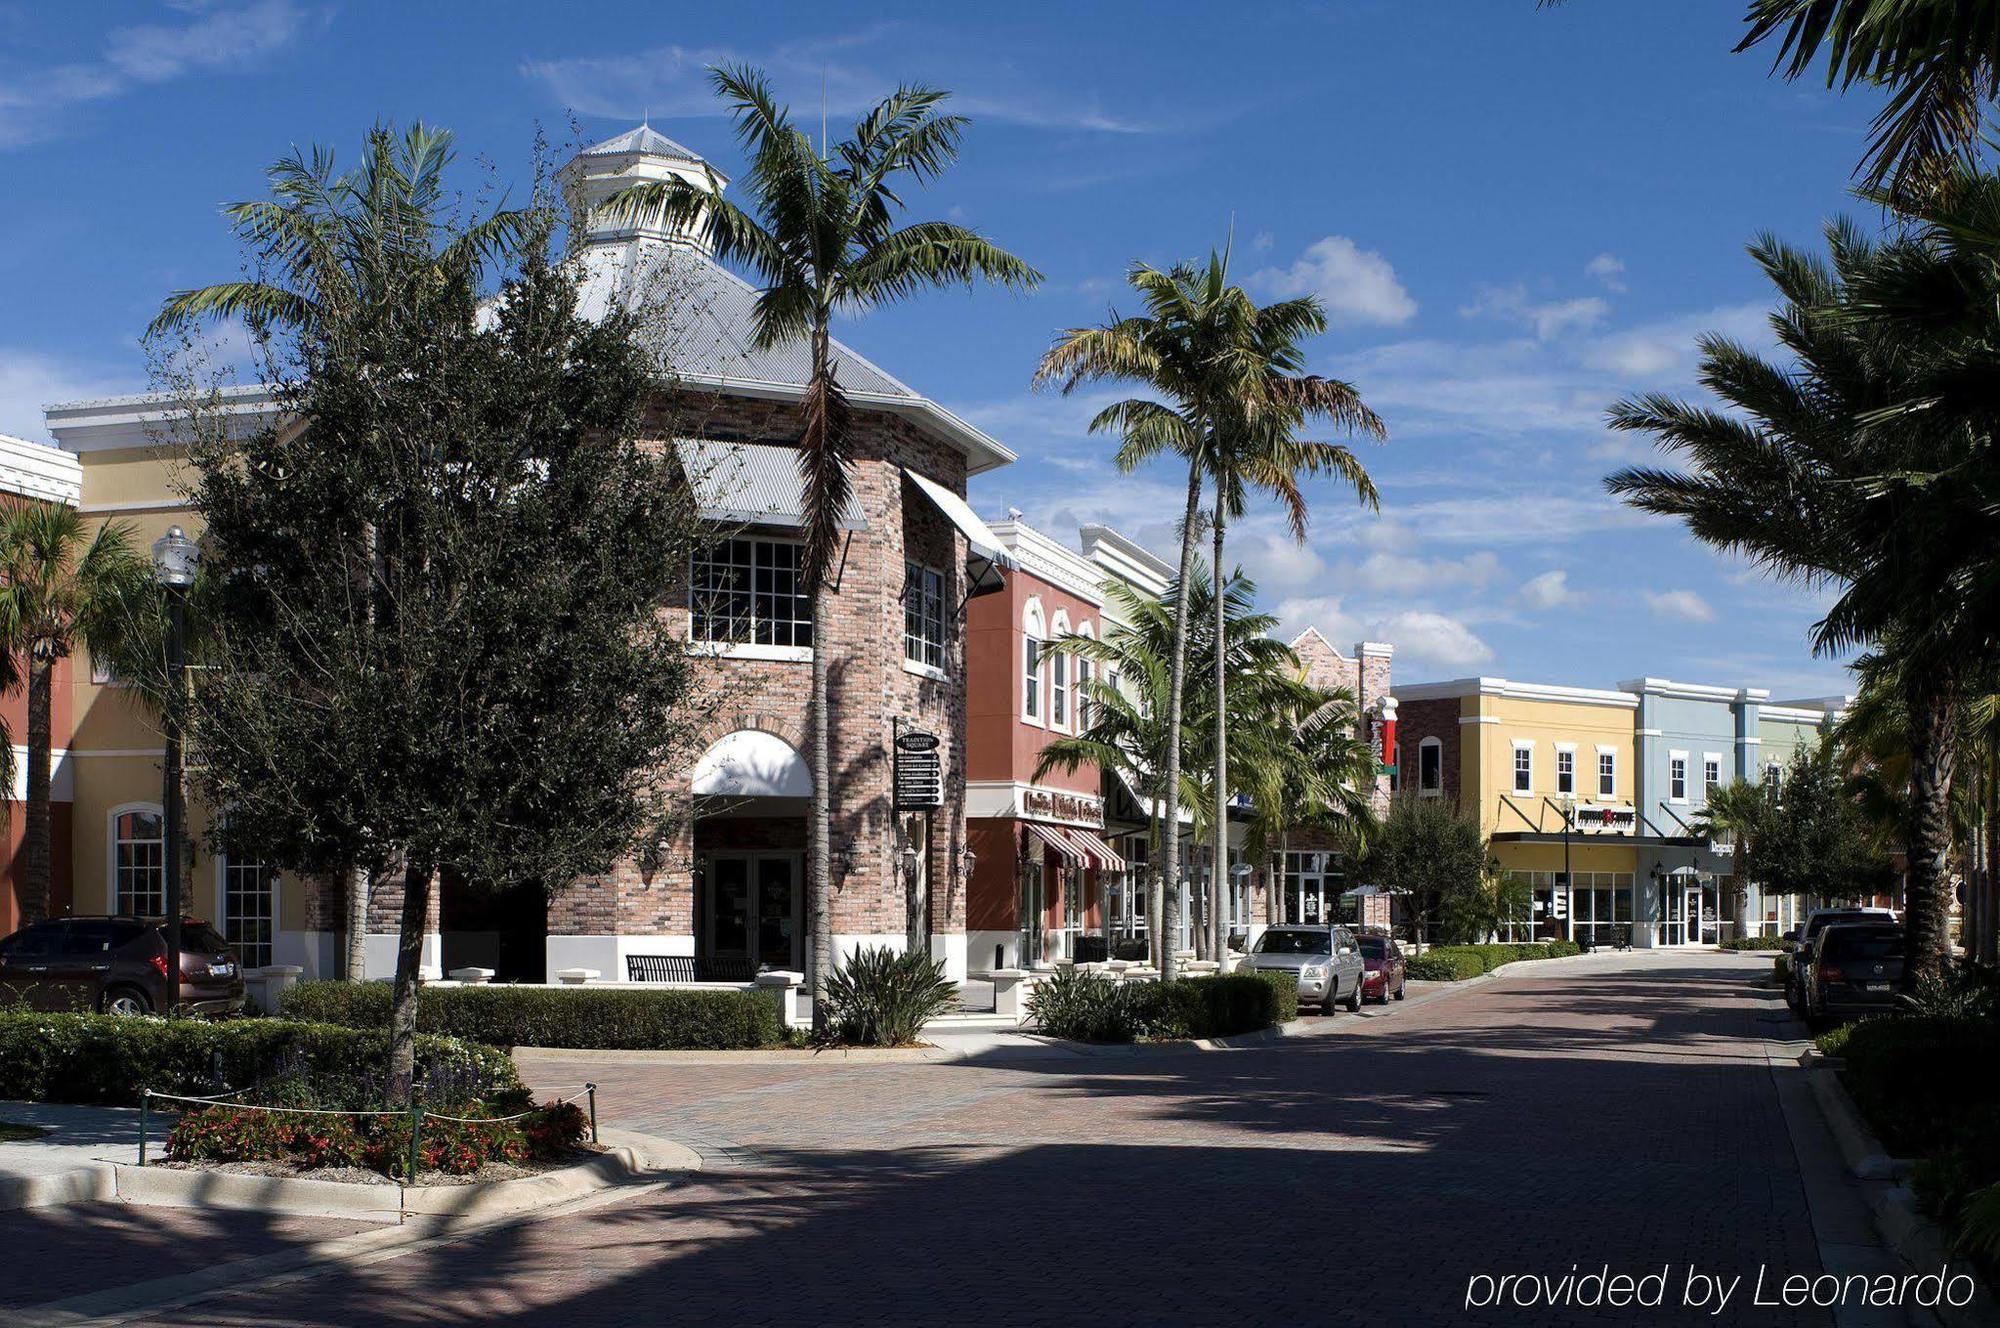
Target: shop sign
{"points": [[1043, 804], [918, 775], [1599, 818]]}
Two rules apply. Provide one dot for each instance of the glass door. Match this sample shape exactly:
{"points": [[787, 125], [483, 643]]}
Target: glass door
{"points": [[1673, 911], [1032, 907], [754, 910], [729, 907], [778, 913]]}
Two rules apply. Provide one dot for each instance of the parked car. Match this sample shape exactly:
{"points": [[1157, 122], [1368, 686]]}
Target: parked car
{"points": [[1856, 969], [1802, 939], [118, 965], [1327, 960], [1384, 964]]}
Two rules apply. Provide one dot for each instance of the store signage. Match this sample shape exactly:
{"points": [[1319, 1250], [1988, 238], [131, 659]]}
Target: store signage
{"points": [[1598, 818], [1043, 804], [918, 773]]}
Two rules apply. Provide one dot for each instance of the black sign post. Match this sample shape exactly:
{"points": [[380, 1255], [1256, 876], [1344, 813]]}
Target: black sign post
{"points": [[917, 778]]}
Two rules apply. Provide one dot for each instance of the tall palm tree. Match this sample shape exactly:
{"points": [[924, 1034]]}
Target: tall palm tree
{"points": [[1257, 447], [1182, 348], [820, 237], [347, 245], [1866, 465], [1313, 772], [1739, 810], [60, 583]]}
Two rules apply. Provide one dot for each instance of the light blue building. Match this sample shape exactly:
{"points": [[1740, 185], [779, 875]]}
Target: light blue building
{"points": [[1691, 739]]}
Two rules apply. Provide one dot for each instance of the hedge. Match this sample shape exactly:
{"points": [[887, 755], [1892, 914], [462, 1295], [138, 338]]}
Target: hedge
{"points": [[595, 1018], [1754, 943], [1088, 1007], [106, 1060], [1455, 963], [1918, 1078]]}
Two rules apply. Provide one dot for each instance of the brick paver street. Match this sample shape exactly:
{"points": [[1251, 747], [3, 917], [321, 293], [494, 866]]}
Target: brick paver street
{"points": [[1613, 1109]]}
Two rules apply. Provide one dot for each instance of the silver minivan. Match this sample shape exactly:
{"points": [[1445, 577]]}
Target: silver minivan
{"points": [[1327, 960]]}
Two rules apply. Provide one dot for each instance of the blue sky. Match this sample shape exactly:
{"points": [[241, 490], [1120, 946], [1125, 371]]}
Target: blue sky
{"points": [[1514, 216]]}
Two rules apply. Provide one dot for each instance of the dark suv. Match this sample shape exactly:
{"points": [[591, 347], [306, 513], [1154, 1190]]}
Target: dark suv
{"points": [[118, 965]]}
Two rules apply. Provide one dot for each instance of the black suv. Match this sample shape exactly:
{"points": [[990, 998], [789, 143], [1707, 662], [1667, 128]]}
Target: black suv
{"points": [[118, 965]]}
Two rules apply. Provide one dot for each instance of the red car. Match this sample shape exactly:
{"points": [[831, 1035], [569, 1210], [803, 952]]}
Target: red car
{"points": [[1384, 961]]}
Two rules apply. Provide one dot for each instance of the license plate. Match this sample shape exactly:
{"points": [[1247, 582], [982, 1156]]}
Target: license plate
{"points": [[1876, 986], [222, 970]]}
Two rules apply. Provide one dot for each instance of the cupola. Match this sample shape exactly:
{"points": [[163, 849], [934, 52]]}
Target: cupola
{"points": [[637, 156]]}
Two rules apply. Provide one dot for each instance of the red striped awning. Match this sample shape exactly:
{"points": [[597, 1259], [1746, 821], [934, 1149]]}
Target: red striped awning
{"points": [[1057, 843], [1097, 848]]}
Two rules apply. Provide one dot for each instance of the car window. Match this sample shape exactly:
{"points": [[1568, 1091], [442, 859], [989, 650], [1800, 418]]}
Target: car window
{"points": [[1864, 943], [1295, 940], [92, 936], [202, 937], [37, 942], [1374, 947]]}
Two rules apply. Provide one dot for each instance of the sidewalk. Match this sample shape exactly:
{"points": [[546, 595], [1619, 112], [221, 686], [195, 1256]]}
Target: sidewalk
{"points": [[73, 1161]]}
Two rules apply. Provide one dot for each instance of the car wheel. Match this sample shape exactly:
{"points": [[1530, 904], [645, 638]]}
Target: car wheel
{"points": [[1402, 989], [1327, 1004], [126, 1002], [1354, 998]]}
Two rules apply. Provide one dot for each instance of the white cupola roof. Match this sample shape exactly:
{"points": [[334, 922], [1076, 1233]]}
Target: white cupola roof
{"points": [[637, 156]]}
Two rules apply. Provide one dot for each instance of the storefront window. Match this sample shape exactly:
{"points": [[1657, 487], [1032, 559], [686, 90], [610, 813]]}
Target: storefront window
{"points": [[923, 615]]}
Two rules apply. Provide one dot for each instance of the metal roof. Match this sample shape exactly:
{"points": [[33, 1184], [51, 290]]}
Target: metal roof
{"points": [[643, 139], [752, 484]]}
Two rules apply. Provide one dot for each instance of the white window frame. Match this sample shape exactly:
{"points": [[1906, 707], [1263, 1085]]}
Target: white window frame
{"points": [[1032, 665], [1607, 755], [1566, 755], [1061, 713], [1710, 761], [112, 892], [1677, 777], [916, 582], [1774, 778], [225, 917], [752, 648], [1522, 745], [1395, 771], [1084, 673], [1430, 790]]}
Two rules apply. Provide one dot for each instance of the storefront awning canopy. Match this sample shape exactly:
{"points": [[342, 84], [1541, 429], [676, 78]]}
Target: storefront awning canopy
{"points": [[985, 559], [752, 484], [1096, 848], [1076, 846]]}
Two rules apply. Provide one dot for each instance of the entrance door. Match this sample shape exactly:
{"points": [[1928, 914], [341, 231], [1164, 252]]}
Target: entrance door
{"points": [[1673, 911], [753, 909]]}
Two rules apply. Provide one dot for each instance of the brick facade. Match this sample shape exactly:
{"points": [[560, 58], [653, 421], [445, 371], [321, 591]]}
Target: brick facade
{"points": [[1417, 720]]}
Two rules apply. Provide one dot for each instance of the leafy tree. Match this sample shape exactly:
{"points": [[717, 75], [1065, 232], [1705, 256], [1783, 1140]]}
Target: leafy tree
{"points": [[1865, 464], [1257, 447], [439, 575], [1816, 839], [820, 237], [61, 582], [1436, 857], [1740, 811], [1316, 772]]}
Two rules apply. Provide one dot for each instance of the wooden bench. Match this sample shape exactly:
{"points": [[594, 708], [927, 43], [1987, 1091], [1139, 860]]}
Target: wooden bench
{"points": [[686, 968]]}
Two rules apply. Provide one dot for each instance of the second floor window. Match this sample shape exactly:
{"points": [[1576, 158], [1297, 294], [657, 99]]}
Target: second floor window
{"points": [[1607, 774], [1524, 769], [1711, 776], [1082, 694], [1677, 778], [1430, 766], [1059, 690], [923, 615], [1565, 771], [1031, 677], [748, 591]]}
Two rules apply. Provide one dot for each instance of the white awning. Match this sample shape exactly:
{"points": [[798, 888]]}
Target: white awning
{"points": [[985, 556], [751, 763], [752, 484]]}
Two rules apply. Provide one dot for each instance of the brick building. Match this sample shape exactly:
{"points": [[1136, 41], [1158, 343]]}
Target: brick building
{"points": [[730, 889]]}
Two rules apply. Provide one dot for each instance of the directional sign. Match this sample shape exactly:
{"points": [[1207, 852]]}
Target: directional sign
{"points": [[918, 772]]}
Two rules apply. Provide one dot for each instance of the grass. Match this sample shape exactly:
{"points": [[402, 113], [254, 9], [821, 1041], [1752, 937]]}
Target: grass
{"points": [[10, 1133]]}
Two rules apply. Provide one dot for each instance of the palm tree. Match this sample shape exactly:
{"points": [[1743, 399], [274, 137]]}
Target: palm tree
{"points": [[1181, 348], [1738, 811], [1257, 446], [60, 583], [821, 238], [1313, 772], [1866, 466], [335, 246]]}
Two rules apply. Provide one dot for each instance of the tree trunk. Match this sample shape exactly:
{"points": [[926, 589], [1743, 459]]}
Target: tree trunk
{"points": [[1989, 922], [1170, 915], [403, 1002], [1927, 900], [1739, 904], [1218, 883], [819, 825], [1155, 894], [360, 884], [38, 849]]}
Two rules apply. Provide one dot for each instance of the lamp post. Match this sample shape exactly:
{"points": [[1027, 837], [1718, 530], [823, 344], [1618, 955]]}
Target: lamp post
{"points": [[174, 558]]}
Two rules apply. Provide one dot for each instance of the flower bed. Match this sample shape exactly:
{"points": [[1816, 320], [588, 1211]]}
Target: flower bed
{"points": [[454, 1141]]}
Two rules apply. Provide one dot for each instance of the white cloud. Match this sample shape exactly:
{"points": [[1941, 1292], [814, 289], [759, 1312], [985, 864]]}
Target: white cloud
{"points": [[1549, 318], [1428, 642], [1550, 590], [1682, 604], [1609, 269], [30, 380], [1262, 241], [1357, 285], [33, 106], [672, 82], [1666, 349]]}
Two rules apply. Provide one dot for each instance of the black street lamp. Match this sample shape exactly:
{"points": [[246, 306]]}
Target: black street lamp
{"points": [[174, 558]]}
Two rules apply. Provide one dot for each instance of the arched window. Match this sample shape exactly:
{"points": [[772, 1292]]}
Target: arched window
{"points": [[1430, 767], [1059, 675], [138, 861], [1033, 633], [1084, 672]]}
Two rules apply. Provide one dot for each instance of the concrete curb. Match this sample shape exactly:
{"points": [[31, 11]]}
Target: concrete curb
{"points": [[85, 1184], [630, 1157], [1859, 1148]]}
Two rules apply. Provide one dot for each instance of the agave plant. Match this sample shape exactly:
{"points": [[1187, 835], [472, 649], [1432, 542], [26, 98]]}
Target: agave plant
{"points": [[883, 998]]}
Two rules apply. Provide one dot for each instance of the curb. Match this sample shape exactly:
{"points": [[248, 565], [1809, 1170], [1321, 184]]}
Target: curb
{"points": [[85, 1184], [631, 1157], [1859, 1148]]}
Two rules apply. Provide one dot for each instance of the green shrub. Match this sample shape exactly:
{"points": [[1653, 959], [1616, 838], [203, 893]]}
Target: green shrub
{"points": [[1082, 1007], [1919, 1080], [457, 1140], [1284, 992], [883, 998], [1754, 943], [1446, 963], [107, 1060], [1561, 949], [602, 1018]]}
